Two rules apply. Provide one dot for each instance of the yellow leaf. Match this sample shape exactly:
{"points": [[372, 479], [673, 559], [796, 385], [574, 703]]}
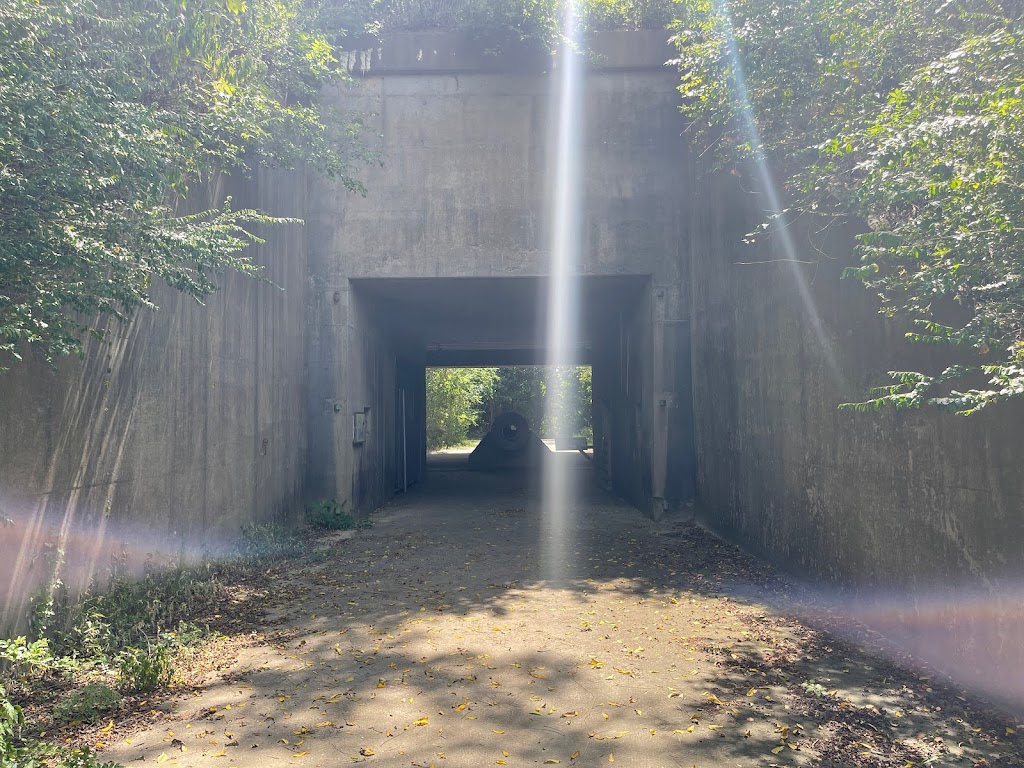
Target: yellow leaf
{"points": [[752, 691], [324, 724], [551, 761], [461, 707], [1010, 731], [498, 732], [367, 752], [421, 721], [574, 755], [110, 726], [778, 749], [713, 699], [162, 757], [501, 762], [611, 758], [300, 754], [504, 753]]}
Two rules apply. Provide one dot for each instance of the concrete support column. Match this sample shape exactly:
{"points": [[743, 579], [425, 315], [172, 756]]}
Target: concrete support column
{"points": [[673, 461]]}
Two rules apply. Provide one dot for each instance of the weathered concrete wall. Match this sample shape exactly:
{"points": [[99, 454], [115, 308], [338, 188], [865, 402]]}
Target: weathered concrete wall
{"points": [[464, 191], [189, 425], [919, 516]]}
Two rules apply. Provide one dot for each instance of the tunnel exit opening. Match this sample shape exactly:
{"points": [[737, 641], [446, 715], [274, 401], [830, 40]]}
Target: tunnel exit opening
{"points": [[507, 418]]}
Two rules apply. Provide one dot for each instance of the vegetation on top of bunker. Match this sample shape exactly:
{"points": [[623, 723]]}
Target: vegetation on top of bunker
{"points": [[906, 119]]}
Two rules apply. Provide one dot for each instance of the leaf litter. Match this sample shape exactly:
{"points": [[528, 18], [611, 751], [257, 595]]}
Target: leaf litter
{"points": [[387, 651]]}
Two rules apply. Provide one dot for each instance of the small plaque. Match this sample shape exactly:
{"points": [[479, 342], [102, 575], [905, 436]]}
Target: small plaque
{"points": [[359, 427]]}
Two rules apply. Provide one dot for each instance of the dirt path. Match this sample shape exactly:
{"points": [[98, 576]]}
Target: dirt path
{"points": [[434, 640]]}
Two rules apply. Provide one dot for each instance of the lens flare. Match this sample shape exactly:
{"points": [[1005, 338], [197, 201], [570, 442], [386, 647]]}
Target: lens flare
{"points": [[792, 257], [563, 289]]}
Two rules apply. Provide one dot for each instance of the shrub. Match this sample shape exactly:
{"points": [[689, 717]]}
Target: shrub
{"points": [[87, 705], [268, 541], [143, 670], [329, 515]]}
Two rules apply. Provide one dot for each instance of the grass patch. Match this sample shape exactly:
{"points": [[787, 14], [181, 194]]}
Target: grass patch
{"points": [[91, 657], [329, 515]]}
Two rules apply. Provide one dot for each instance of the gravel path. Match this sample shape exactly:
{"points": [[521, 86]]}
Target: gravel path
{"points": [[434, 639]]}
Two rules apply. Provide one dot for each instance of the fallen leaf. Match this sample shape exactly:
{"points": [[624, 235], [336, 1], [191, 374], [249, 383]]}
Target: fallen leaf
{"points": [[110, 726], [300, 754], [778, 749], [421, 721], [367, 752], [574, 755]]}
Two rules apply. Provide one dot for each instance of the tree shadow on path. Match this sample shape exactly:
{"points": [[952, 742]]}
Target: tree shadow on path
{"points": [[434, 639]]}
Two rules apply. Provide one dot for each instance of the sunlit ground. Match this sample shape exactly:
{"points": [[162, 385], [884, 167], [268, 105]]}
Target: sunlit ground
{"points": [[435, 638]]}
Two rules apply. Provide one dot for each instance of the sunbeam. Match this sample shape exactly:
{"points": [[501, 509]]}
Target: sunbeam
{"points": [[792, 256], [563, 299]]}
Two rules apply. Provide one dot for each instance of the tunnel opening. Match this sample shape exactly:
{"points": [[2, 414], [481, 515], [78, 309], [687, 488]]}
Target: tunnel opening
{"points": [[507, 418], [399, 329]]}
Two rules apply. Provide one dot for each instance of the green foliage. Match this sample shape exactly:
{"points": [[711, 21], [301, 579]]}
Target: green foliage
{"points": [[519, 389], [526, 390], [111, 113], [463, 402], [143, 670], [87, 705], [813, 688], [537, 22], [909, 118], [24, 660], [453, 399], [329, 515], [11, 723], [132, 610], [16, 751], [569, 410], [265, 542]]}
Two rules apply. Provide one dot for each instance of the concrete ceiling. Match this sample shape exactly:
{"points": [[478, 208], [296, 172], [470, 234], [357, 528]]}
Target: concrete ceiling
{"points": [[487, 321]]}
